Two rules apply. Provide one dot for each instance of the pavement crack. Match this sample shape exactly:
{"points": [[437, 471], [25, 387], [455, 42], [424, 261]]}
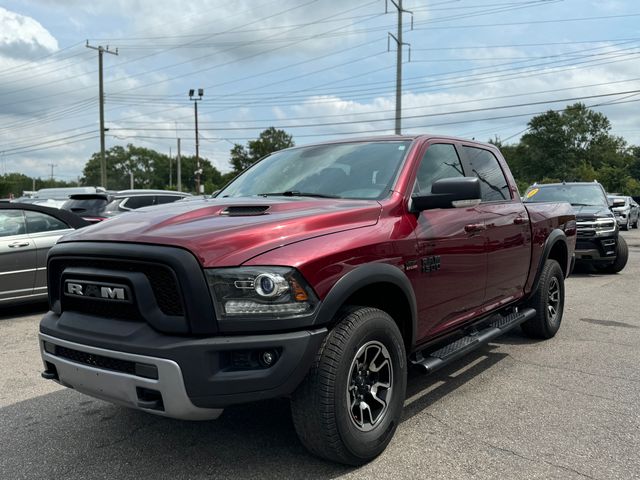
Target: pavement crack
{"points": [[574, 370], [120, 440], [474, 436]]}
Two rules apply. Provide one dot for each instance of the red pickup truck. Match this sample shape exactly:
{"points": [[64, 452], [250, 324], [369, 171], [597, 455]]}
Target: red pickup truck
{"points": [[321, 273]]}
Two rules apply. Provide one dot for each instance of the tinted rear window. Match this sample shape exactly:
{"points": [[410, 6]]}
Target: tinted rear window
{"points": [[92, 204]]}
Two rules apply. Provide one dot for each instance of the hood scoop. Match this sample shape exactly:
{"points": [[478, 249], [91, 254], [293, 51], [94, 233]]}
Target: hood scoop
{"points": [[245, 211]]}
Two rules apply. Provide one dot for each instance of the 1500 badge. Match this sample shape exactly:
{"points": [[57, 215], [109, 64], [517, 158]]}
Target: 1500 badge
{"points": [[431, 264]]}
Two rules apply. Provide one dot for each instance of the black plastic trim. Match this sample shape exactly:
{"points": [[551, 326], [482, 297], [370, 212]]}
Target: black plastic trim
{"points": [[363, 276], [209, 381], [554, 237], [197, 303]]}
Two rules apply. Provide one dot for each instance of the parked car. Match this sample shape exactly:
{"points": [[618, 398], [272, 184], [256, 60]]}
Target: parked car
{"points": [[626, 211], [56, 197], [322, 273], [95, 207], [599, 242], [26, 234]]}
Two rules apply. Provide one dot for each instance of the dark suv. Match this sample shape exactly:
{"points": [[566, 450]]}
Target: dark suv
{"points": [[95, 207], [599, 242]]}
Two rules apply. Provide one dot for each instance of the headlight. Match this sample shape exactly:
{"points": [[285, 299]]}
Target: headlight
{"points": [[604, 225], [279, 292]]}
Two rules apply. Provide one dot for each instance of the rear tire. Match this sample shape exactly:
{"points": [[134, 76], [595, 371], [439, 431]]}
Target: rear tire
{"points": [[548, 302], [622, 255], [349, 405]]}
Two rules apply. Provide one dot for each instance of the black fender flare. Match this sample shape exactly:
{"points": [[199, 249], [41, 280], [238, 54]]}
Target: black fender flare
{"points": [[554, 237], [362, 276]]}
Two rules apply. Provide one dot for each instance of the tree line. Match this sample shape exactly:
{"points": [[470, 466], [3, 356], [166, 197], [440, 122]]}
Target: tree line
{"points": [[575, 144]]}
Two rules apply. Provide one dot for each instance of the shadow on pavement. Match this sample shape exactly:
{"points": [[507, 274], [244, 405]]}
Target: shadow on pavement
{"points": [[79, 437], [14, 311]]}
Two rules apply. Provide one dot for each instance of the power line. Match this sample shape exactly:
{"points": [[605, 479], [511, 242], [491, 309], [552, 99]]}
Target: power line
{"points": [[377, 120]]}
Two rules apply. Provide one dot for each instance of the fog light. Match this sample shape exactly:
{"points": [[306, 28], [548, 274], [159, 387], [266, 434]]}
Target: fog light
{"points": [[49, 348], [267, 358]]}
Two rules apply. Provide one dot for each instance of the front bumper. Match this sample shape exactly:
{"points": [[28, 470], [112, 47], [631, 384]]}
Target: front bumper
{"points": [[165, 395], [621, 220], [596, 249], [196, 377]]}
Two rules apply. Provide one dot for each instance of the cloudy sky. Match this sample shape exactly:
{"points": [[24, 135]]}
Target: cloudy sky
{"points": [[320, 69]]}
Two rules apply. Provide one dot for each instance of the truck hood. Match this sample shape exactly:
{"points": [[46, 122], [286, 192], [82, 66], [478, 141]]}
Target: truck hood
{"points": [[230, 231], [589, 213]]}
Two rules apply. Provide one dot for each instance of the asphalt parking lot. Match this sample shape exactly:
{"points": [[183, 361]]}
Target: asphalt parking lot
{"points": [[565, 408]]}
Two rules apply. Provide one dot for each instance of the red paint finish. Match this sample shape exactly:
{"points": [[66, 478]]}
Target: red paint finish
{"points": [[488, 254]]}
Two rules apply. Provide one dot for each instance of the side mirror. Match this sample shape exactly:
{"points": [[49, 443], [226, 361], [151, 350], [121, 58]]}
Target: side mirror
{"points": [[458, 192]]}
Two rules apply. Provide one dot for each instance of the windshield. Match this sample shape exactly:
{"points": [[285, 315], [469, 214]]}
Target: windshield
{"points": [[359, 170], [589, 195]]}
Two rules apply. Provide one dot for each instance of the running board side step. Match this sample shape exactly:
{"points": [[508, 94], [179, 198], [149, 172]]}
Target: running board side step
{"points": [[457, 349]]}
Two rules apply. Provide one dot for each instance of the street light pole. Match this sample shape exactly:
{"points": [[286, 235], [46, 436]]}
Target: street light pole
{"points": [[195, 104]]}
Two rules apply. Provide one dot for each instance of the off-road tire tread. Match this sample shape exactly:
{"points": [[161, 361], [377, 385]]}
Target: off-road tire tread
{"points": [[538, 327], [319, 432]]}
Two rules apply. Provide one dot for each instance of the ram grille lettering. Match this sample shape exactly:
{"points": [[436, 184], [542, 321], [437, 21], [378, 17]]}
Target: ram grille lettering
{"points": [[104, 292]]}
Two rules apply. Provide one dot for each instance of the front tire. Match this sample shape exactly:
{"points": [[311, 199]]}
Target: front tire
{"points": [[548, 302], [349, 405], [622, 256]]}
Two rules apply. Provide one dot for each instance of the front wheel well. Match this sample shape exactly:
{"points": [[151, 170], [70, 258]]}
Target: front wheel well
{"points": [[390, 299], [560, 254]]}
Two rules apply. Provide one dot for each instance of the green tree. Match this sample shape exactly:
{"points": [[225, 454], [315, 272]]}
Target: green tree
{"points": [[269, 141], [13, 184], [574, 145], [150, 169]]}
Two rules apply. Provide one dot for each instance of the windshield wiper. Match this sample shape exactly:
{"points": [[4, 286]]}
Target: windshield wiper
{"points": [[295, 193], [583, 205]]}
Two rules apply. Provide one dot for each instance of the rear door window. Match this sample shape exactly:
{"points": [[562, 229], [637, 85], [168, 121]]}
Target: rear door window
{"points": [[138, 201], [160, 199], [485, 166]]}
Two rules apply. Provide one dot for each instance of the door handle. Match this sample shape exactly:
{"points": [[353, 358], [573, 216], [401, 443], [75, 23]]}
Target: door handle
{"points": [[520, 220], [19, 244], [474, 227]]}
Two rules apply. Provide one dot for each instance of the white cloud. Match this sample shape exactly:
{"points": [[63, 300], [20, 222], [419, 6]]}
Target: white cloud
{"points": [[22, 37]]}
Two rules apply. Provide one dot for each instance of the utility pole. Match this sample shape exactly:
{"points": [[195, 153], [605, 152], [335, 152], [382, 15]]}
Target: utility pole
{"points": [[195, 104], [103, 160], [52, 167], [399, 44], [170, 172], [178, 170]]}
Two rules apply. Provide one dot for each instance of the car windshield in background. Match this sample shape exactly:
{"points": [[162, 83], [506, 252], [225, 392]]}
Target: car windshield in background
{"points": [[576, 195], [358, 170]]}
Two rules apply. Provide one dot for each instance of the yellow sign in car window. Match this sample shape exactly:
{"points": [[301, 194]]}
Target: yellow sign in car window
{"points": [[532, 192]]}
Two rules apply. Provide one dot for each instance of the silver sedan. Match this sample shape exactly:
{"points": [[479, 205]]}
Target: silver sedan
{"points": [[27, 232]]}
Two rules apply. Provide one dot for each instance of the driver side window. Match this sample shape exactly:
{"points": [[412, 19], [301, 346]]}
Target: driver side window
{"points": [[439, 161]]}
